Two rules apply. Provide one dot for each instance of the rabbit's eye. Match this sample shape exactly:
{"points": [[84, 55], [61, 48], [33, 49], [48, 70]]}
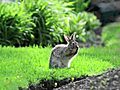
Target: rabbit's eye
{"points": [[73, 43]]}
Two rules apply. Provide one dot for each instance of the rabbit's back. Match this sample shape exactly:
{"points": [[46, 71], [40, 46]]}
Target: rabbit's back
{"points": [[61, 56], [58, 50]]}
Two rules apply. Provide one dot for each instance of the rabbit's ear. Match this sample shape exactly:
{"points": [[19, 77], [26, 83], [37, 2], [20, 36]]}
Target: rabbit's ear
{"points": [[73, 36], [67, 39]]}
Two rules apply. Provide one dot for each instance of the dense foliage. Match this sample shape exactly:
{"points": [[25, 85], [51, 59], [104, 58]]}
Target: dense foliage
{"points": [[48, 18], [82, 23], [15, 25], [42, 22], [79, 5]]}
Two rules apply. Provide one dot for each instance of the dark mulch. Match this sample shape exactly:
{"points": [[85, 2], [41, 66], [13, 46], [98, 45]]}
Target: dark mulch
{"points": [[106, 81], [51, 84]]}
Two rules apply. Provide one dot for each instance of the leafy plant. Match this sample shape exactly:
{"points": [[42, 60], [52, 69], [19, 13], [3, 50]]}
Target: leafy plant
{"points": [[111, 34], [82, 23], [47, 16], [42, 22], [14, 24], [32, 22], [79, 5]]}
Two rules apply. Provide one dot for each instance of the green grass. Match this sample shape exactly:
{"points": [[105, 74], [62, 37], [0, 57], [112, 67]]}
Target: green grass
{"points": [[20, 66]]}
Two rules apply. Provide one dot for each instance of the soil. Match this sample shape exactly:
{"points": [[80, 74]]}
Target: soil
{"points": [[51, 84]]}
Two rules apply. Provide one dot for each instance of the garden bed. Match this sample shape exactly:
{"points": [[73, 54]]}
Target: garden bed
{"points": [[51, 84]]}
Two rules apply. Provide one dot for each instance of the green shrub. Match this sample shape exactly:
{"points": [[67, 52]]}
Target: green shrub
{"points": [[48, 17], [42, 22], [14, 24], [82, 23], [33, 22], [79, 5], [111, 35]]}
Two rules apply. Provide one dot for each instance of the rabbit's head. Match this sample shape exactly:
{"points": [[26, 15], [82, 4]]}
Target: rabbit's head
{"points": [[72, 43]]}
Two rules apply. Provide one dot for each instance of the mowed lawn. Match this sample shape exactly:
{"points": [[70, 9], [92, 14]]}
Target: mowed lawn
{"points": [[20, 66]]}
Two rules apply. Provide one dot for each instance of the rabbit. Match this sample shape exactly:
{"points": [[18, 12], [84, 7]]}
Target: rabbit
{"points": [[62, 54]]}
